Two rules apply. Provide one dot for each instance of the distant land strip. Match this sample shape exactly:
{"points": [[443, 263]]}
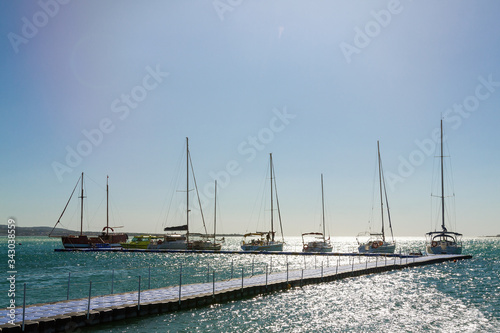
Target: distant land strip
{"points": [[44, 231]]}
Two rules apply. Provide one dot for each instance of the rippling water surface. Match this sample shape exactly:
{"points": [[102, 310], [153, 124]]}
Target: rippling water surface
{"points": [[454, 296]]}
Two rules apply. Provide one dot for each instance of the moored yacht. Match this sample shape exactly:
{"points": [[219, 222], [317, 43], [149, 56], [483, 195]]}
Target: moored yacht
{"points": [[179, 237], [319, 243], [265, 241], [105, 240], [376, 242], [443, 241]]}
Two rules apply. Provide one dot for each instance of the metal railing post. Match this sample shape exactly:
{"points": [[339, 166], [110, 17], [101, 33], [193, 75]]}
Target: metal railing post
{"points": [[213, 284], [24, 305], [88, 305], [180, 283], [252, 264], [266, 274], [69, 278], [139, 295], [112, 280], [242, 275]]}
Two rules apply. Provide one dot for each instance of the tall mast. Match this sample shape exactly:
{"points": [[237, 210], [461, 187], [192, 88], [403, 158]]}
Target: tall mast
{"points": [[323, 207], [187, 189], [387, 205], [271, 172], [380, 181], [81, 210], [215, 209], [442, 180], [107, 205]]}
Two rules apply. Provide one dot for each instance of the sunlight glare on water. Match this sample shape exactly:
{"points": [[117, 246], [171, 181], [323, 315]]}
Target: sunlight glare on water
{"points": [[389, 302], [448, 297]]}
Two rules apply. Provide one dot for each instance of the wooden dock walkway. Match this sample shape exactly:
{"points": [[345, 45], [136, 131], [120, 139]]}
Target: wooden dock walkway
{"points": [[72, 314]]}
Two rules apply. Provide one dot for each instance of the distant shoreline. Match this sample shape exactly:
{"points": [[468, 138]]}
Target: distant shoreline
{"points": [[44, 231]]}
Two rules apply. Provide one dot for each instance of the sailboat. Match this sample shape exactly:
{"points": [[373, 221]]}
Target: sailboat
{"points": [[178, 237], [209, 242], [265, 241], [444, 241], [377, 243], [320, 244], [106, 239]]}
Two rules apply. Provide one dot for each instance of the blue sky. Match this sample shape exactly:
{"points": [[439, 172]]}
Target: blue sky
{"points": [[317, 83]]}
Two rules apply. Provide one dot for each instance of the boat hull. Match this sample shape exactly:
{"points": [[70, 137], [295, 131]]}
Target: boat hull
{"points": [[443, 249], [109, 240], [75, 242], [169, 242], [134, 246], [317, 247], [205, 245], [384, 248], [174, 245], [276, 247], [84, 241]]}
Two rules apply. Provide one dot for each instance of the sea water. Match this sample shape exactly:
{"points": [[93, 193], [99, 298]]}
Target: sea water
{"points": [[452, 296]]}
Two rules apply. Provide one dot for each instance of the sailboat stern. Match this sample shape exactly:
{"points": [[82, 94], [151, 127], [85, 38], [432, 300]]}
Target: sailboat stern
{"points": [[443, 242]]}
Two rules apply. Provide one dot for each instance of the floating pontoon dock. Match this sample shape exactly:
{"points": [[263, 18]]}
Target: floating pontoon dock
{"points": [[73, 314]]}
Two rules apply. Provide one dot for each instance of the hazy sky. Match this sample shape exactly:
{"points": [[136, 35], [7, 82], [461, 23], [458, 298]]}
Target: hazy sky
{"points": [[114, 88]]}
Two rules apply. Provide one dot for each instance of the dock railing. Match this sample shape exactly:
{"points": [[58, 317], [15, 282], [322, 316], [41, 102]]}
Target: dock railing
{"points": [[75, 284]]}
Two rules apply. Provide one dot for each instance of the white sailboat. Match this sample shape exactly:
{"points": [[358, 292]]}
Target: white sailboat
{"points": [[377, 242], [265, 241], [209, 242], [178, 237], [444, 241], [320, 243]]}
